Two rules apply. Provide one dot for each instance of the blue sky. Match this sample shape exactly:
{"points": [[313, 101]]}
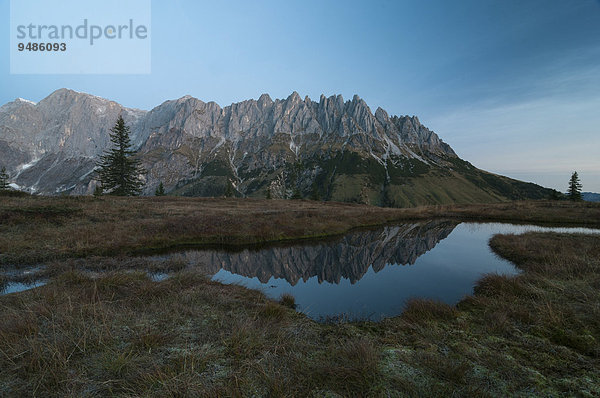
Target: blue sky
{"points": [[512, 86]]}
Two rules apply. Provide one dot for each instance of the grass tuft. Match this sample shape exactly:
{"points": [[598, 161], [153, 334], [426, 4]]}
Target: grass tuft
{"points": [[423, 310], [287, 300], [353, 368], [274, 311]]}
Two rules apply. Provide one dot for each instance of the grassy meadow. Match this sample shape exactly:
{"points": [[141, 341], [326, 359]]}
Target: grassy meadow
{"points": [[121, 334], [34, 229]]}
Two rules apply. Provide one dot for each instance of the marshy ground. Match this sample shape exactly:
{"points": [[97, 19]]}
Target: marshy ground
{"points": [[120, 333], [34, 229]]}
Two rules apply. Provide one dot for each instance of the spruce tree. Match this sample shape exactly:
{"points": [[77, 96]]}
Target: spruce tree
{"points": [[574, 191], [296, 194], [160, 191], [4, 180], [119, 170], [98, 191], [228, 190], [314, 195]]}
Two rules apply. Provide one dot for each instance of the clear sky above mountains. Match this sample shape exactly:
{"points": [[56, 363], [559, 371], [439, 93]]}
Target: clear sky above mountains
{"points": [[513, 86]]}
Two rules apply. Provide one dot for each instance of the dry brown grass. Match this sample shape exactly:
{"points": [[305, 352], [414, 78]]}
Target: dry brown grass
{"points": [[288, 300], [121, 334], [536, 334], [420, 310], [37, 229], [563, 213]]}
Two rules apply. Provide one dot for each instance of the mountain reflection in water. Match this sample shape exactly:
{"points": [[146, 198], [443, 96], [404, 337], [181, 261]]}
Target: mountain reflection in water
{"points": [[369, 274], [366, 274], [349, 257]]}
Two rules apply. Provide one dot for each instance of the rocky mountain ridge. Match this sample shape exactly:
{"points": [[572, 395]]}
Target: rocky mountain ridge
{"points": [[331, 149]]}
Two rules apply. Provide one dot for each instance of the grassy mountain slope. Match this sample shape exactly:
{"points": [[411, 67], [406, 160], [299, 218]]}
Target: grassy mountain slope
{"points": [[351, 177]]}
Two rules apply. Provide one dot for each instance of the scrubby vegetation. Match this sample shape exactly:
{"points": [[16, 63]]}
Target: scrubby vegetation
{"points": [[102, 326], [536, 334], [34, 229]]}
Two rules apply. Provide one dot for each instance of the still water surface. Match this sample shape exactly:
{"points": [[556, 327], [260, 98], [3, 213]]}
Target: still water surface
{"points": [[365, 274], [370, 274]]}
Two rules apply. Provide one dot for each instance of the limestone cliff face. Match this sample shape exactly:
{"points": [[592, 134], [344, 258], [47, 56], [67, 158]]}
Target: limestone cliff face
{"points": [[51, 147], [331, 149], [280, 145]]}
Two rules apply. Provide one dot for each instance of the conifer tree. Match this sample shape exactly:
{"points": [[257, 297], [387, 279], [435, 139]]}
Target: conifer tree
{"points": [[296, 194], [315, 193], [98, 191], [574, 191], [160, 191], [228, 190], [4, 179], [119, 170]]}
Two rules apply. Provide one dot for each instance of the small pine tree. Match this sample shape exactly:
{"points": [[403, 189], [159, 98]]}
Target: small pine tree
{"points": [[98, 191], [119, 171], [4, 180], [228, 191], [314, 195], [574, 191], [160, 191], [268, 196], [296, 194]]}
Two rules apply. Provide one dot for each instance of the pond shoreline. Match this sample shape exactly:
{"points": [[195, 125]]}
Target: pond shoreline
{"points": [[343, 265], [37, 229], [188, 334]]}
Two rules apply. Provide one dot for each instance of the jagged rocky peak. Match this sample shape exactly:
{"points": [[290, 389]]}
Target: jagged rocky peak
{"points": [[67, 97], [187, 101], [333, 149], [77, 106], [24, 101], [381, 115], [183, 139], [265, 100], [294, 97]]}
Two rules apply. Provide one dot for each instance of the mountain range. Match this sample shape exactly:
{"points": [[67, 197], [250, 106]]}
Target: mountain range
{"points": [[331, 149], [590, 196]]}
